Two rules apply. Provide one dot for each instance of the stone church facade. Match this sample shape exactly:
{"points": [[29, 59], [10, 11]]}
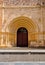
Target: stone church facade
{"points": [[22, 23]]}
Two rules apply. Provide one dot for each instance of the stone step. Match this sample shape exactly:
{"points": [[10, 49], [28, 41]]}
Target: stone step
{"points": [[34, 51]]}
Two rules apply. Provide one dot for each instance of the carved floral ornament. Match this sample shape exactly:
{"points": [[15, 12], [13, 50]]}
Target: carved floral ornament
{"points": [[23, 2]]}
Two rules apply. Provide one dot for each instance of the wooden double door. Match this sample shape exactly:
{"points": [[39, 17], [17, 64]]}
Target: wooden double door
{"points": [[22, 37]]}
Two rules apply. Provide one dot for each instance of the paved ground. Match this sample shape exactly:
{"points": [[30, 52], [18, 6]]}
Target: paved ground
{"points": [[21, 57]]}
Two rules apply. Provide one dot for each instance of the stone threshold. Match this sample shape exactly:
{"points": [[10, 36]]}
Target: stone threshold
{"points": [[21, 51]]}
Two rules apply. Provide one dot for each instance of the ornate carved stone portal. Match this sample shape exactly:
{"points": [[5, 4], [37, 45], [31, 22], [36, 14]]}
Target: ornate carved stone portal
{"points": [[26, 14]]}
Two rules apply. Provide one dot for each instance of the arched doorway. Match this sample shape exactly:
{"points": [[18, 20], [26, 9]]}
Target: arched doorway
{"points": [[26, 23], [22, 37]]}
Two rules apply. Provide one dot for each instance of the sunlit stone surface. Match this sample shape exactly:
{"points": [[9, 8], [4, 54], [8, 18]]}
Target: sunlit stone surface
{"points": [[23, 2], [11, 14]]}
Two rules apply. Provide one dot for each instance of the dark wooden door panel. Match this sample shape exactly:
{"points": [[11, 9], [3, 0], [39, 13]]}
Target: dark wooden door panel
{"points": [[22, 38], [25, 39], [19, 39]]}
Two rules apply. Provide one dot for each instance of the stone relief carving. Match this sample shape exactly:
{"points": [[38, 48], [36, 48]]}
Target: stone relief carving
{"points": [[1, 2], [29, 12], [23, 2], [20, 12]]}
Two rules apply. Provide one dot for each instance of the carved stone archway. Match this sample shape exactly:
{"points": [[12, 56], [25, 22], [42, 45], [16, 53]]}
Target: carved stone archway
{"points": [[24, 22]]}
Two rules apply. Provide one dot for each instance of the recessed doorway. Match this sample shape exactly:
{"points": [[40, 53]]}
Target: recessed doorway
{"points": [[22, 37]]}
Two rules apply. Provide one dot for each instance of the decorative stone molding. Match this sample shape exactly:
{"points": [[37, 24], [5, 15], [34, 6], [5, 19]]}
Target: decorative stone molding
{"points": [[22, 2], [34, 44]]}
